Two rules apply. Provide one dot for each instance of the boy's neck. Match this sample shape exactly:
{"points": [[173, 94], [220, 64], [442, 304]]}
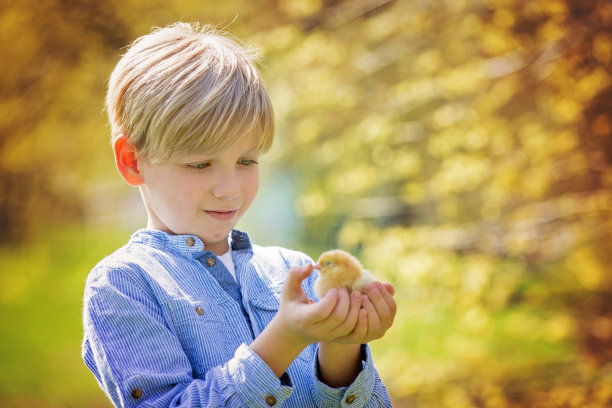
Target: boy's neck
{"points": [[218, 248]]}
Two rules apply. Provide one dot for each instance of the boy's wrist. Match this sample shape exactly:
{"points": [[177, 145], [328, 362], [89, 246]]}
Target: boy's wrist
{"points": [[276, 347], [339, 364], [334, 348], [286, 336]]}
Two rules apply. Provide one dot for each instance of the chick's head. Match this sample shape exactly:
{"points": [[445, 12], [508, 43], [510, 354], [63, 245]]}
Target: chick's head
{"points": [[339, 264]]}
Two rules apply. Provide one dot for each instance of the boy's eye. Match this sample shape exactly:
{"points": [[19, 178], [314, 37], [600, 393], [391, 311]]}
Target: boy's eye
{"points": [[199, 166], [246, 162]]}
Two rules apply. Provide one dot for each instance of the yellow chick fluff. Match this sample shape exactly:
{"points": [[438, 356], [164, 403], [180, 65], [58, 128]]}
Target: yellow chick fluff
{"points": [[338, 268]]}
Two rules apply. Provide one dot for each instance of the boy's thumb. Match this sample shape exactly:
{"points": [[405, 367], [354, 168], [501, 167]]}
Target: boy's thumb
{"points": [[295, 277]]}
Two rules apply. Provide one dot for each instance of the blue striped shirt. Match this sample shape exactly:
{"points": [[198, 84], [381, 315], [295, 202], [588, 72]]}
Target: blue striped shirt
{"points": [[159, 330]]}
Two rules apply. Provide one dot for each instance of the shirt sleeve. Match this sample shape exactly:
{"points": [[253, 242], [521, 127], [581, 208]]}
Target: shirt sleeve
{"points": [[366, 391], [139, 361]]}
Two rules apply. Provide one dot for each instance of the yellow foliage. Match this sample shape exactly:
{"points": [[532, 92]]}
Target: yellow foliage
{"points": [[494, 98], [460, 172], [300, 8], [373, 128], [312, 204], [447, 115], [466, 79], [588, 271], [503, 18], [591, 84], [279, 38], [551, 32], [307, 131], [469, 27], [415, 93], [496, 41], [415, 192], [602, 48], [427, 62], [359, 178], [406, 164]]}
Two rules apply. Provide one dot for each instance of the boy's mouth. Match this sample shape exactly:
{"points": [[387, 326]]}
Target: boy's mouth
{"points": [[221, 215]]}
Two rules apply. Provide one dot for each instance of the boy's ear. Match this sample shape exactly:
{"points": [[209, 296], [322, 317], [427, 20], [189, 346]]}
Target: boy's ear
{"points": [[127, 161]]}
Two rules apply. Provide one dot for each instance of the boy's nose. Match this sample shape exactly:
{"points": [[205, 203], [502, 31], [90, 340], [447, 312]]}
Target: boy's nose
{"points": [[227, 186]]}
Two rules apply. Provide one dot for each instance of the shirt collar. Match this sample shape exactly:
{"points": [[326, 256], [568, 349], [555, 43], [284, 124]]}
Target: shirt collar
{"points": [[240, 240], [188, 245]]}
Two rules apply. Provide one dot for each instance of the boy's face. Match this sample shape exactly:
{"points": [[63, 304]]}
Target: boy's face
{"points": [[202, 194]]}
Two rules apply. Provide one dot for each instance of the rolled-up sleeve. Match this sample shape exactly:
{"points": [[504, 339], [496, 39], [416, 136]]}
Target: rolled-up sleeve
{"points": [[138, 359], [366, 391]]}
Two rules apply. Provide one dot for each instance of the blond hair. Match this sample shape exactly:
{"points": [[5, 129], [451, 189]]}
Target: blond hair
{"points": [[182, 90]]}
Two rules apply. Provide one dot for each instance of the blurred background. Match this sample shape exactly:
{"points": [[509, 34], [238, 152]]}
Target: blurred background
{"points": [[461, 149]]}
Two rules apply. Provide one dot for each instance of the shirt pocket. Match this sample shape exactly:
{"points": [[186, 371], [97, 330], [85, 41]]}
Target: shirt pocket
{"points": [[202, 332], [263, 309]]}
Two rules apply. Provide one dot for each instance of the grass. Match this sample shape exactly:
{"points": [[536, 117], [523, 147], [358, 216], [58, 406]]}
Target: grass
{"points": [[41, 289]]}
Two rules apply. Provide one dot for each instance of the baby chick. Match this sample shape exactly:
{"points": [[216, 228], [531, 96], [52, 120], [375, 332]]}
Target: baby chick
{"points": [[338, 268]]}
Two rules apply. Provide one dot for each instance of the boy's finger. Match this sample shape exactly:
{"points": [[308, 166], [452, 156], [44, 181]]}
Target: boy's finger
{"points": [[341, 311], [321, 310], [390, 302], [373, 320], [295, 276], [353, 315], [386, 308], [389, 288], [375, 294], [360, 331]]}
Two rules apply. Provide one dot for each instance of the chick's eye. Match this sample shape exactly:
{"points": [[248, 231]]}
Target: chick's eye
{"points": [[328, 263]]}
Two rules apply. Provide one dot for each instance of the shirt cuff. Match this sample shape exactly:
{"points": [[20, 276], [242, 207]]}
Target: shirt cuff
{"points": [[355, 395], [255, 382]]}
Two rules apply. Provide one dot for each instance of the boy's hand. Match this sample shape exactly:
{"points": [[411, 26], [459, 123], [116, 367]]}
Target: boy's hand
{"points": [[338, 317], [375, 317], [334, 316]]}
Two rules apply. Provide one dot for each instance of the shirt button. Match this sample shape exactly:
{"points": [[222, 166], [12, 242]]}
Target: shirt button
{"points": [[190, 241], [199, 311], [211, 262], [270, 400], [137, 393], [350, 399]]}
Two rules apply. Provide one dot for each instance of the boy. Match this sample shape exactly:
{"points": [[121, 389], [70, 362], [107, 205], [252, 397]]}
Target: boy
{"points": [[189, 312]]}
